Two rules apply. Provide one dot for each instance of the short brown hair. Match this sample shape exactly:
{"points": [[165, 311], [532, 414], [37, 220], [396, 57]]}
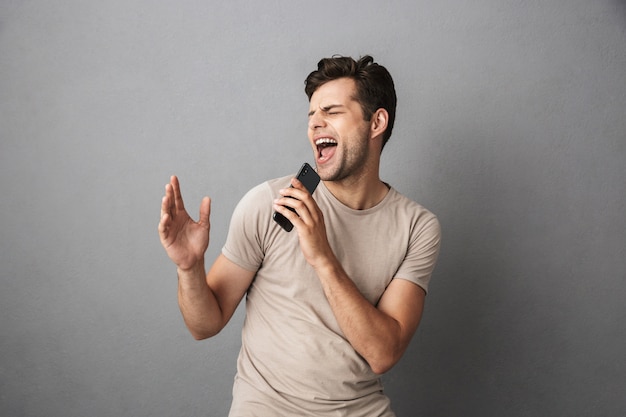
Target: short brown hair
{"points": [[374, 85]]}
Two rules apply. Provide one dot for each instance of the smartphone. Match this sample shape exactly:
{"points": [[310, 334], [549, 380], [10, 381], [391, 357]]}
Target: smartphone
{"points": [[309, 178]]}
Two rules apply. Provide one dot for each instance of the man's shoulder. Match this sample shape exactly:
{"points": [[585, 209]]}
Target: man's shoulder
{"points": [[408, 204], [276, 184], [268, 187]]}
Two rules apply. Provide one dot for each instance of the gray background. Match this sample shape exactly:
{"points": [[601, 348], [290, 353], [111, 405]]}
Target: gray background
{"points": [[511, 127]]}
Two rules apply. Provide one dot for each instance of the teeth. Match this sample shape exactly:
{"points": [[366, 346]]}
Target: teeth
{"points": [[325, 141]]}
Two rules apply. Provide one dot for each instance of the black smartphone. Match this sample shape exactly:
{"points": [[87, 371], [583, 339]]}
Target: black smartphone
{"points": [[309, 178]]}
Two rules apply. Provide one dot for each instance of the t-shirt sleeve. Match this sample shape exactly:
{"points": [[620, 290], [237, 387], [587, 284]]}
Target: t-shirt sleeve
{"points": [[422, 252], [248, 226]]}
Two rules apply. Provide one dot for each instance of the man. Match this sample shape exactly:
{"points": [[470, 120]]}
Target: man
{"points": [[333, 304]]}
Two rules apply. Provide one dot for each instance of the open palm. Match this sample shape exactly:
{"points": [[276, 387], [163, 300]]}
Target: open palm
{"points": [[184, 240]]}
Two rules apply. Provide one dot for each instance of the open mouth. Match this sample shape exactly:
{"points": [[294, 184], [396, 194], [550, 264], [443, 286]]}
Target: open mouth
{"points": [[325, 148]]}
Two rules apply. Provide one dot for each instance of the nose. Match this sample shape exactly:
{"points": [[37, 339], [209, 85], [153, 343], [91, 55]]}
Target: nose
{"points": [[316, 120]]}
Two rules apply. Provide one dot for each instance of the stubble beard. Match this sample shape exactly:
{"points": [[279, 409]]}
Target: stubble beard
{"points": [[352, 160]]}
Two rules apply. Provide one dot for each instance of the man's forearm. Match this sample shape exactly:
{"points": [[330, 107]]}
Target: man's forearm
{"points": [[198, 305], [372, 333]]}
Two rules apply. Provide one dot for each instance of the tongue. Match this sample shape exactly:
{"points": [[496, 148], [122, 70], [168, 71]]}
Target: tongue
{"points": [[326, 152]]}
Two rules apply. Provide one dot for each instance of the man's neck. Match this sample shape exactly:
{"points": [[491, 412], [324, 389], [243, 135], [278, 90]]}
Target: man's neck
{"points": [[358, 194]]}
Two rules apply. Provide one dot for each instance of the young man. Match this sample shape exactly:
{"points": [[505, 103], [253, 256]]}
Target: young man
{"points": [[333, 304]]}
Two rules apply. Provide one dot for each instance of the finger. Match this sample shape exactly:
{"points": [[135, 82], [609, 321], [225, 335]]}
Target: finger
{"points": [[300, 207], [287, 201], [167, 204], [305, 196], [164, 204], [296, 183], [281, 208], [164, 225], [178, 198], [298, 194], [299, 185], [301, 201], [205, 212]]}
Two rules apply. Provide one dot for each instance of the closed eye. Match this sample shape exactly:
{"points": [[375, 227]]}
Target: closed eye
{"points": [[330, 110]]}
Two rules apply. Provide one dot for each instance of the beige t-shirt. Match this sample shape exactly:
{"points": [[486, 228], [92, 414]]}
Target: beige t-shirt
{"points": [[294, 358]]}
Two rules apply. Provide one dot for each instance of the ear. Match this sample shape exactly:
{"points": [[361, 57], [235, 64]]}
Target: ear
{"points": [[379, 122]]}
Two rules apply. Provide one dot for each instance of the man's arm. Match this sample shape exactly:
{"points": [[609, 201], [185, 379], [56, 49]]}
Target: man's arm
{"points": [[380, 334], [207, 301]]}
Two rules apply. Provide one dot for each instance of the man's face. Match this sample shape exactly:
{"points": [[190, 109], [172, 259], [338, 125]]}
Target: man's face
{"points": [[337, 132]]}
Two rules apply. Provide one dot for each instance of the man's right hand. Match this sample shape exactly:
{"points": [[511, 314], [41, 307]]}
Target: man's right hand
{"points": [[184, 240]]}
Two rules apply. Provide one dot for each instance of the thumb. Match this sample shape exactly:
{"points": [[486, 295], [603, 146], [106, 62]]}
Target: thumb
{"points": [[205, 212]]}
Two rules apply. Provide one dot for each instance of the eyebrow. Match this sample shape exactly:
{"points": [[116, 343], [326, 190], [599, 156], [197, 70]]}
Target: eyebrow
{"points": [[326, 109]]}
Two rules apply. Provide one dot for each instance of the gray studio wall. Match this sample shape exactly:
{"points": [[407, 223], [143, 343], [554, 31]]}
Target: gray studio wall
{"points": [[511, 127]]}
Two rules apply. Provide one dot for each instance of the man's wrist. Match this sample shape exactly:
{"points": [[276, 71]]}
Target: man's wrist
{"points": [[328, 267], [194, 270]]}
